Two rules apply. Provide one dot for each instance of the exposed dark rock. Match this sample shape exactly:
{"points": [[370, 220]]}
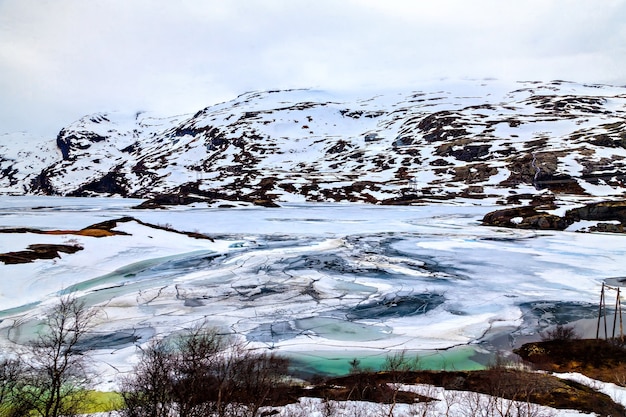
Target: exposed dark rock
{"points": [[607, 228], [602, 211], [543, 201], [38, 251], [525, 217], [402, 141], [606, 141], [339, 146], [265, 203], [131, 148], [63, 144], [404, 200], [440, 126], [569, 103], [109, 225], [470, 152], [68, 141], [42, 184], [9, 173], [521, 171], [398, 306], [559, 183], [531, 217], [112, 183], [475, 173], [163, 200], [544, 221]]}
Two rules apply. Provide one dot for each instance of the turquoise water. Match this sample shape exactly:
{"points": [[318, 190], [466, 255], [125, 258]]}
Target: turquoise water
{"points": [[18, 310], [149, 269], [338, 363]]}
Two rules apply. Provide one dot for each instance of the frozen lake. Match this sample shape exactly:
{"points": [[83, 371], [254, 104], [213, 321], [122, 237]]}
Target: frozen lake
{"points": [[321, 283]]}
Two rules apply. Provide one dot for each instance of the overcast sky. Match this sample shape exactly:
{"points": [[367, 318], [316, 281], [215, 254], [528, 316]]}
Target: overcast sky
{"points": [[62, 59]]}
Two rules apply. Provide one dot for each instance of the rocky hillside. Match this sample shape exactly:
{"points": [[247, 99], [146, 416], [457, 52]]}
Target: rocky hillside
{"points": [[471, 139]]}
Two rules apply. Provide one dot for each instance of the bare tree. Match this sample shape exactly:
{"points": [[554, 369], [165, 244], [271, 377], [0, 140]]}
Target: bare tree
{"points": [[56, 372], [197, 355], [147, 391], [256, 377], [397, 365]]}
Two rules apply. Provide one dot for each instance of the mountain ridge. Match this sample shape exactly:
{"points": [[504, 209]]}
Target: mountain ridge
{"points": [[479, 140]]}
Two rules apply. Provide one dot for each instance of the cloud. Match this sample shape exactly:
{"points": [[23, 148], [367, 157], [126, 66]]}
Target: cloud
{"points": [[62, 59]]}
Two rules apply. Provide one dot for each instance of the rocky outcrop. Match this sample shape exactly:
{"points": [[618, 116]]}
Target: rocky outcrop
{"points": [[526, 217], [164, 200], [37, 251], [602, 211], [112, 183], [533, 217]]}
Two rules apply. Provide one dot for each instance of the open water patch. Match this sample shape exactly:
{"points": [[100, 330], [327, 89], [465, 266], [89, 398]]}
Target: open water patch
{"points": [[336, 329], [338, 363], [115, 340], [151, 269], [334, 264], [254, 292], [273, 332], [548, 313], [330, 328], [328, 263], [396, 306]]}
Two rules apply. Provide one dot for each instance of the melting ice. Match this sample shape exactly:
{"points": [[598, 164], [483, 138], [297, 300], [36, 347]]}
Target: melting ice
{"points": [[315, 281]]}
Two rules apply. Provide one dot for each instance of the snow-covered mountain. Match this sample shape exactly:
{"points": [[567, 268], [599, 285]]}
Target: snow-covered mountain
{"points": [[449, 140]]}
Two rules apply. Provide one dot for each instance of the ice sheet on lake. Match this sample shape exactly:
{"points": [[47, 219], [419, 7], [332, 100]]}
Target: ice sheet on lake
{"points": [[306, 277]]}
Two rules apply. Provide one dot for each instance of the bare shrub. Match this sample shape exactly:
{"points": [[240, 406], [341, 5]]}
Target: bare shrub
{"points": [[12, 383], [201, 373], [560, 332], [148, 392], [426, 406], [400, 362]]}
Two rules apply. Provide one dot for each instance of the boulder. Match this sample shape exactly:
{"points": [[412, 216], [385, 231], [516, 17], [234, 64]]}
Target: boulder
{"points": [[508, 217], [602, 211], [531, 217]]}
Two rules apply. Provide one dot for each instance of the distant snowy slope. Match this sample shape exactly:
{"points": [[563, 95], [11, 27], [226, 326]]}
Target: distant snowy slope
{"points": [[455, 139], [22, 158]]}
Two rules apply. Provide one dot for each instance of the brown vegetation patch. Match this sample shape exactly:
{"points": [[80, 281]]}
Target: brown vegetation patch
{"points": [[500, 382], [97, 232], [84, 232], [603, 360]]}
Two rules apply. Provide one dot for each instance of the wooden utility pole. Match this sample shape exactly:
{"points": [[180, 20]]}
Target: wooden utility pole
{"points": [[602, 313]]}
